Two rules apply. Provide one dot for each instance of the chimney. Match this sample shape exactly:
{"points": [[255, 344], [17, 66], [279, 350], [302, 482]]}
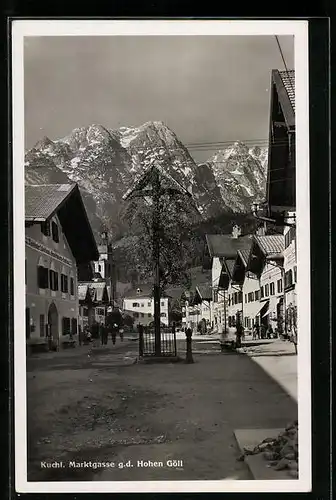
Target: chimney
{"points": [[236, 232], [261, 231]]}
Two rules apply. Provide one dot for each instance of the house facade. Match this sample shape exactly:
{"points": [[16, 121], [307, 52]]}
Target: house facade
{"points": [[227, 298], [55, 218], [94, 302], [266, 261], [139, 304]]}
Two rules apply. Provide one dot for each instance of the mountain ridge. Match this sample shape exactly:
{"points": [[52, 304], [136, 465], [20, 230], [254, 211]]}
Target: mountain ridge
{"points": [[104, 162]]}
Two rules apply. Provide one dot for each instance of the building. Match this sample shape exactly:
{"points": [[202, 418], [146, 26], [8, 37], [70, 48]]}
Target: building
{"points": [[266, 261], [94, 300], [223, 249], [58, 239], [281, 180], [198, 309], [139, 303], [249, 283]]}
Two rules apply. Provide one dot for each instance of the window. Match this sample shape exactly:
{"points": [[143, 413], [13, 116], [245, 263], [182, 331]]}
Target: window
{"points": [[100, 311], [240, 297], [279, 286], [162, 303], [149, 303], [54, 231], [74, 326], [272, 289], [42, 326], [135, 304], [290, 236], [245, 298], [288, 278], [64, 283], [295, 274], [266, 290], [53, 278], [142, 305], [99, 268], [261, 292], [142, 315], [45, 228], [42, 277], [150, 314], [163, 315], [72, 286], [257, 294], [65, 326], [136, 314], [236, 298]]}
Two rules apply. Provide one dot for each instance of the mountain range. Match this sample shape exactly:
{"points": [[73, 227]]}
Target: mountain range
{"points": [[105, 164]]}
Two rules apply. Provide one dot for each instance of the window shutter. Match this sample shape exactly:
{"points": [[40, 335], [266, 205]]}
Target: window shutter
{"points": [[39, 276], [72, 287]]}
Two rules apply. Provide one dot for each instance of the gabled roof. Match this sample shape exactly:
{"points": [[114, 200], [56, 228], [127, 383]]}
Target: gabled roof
{"points": [[224, 245], [43, 201], [142, 291], [271, 245], [244, 255], [285, 86], [204, 292], [95, 291]]}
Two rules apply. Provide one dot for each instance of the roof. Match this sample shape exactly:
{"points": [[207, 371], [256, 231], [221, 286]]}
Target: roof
{"points": [[97, 291], [288, 80], [204, 292], [224, 245], [244, 255], [271, 245], [285, 85], [229, 266], [43, 201]]}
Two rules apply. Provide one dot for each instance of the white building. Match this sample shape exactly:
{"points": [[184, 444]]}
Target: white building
{"points": [[223, 249], [267, 262], [58, 239], [139, 303]]}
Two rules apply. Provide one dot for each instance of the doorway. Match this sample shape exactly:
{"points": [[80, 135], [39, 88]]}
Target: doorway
{"points": [[53, 323]]}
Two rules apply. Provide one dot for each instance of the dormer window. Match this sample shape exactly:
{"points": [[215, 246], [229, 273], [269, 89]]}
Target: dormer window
{"points": [[139, 290], [54, 232]]}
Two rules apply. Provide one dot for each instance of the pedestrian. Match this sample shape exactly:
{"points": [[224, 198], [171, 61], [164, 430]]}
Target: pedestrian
{"points": [[254, 332], [121, 333], [270, 332], [239, 334], [189, 358], [114, 333], [95, 332]]}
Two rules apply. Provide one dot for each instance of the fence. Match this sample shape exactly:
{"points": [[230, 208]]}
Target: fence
{"points": [[168, 342]]}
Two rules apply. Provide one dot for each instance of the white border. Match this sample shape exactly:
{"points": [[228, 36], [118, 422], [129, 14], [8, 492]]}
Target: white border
{"points": [[299, 28]]}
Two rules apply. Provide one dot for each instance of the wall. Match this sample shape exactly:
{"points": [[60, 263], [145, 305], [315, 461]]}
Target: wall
{"points": [[252, 307], [290, 263], [38, 249]]}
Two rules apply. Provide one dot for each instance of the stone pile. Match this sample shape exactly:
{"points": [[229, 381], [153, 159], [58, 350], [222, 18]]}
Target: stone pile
{"points": [[281, 452]]}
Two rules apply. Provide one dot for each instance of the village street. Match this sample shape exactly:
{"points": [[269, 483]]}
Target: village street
{"points": [[99, 405]]}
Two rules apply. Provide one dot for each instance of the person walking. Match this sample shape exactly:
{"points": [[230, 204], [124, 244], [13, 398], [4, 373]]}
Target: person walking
{"points": [[114, 333]]}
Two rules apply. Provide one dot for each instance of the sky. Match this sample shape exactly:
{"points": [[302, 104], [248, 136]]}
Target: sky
{"points": [[205, 88]]}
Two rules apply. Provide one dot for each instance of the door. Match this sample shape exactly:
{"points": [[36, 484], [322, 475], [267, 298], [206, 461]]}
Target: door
{"points": [[27, 323], [53, 323]]}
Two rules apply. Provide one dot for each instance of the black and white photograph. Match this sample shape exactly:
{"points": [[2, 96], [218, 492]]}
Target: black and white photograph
{"points": [[161, 256]]}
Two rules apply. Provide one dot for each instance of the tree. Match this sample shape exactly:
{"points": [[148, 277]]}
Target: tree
{"points": [[177, 216]]}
